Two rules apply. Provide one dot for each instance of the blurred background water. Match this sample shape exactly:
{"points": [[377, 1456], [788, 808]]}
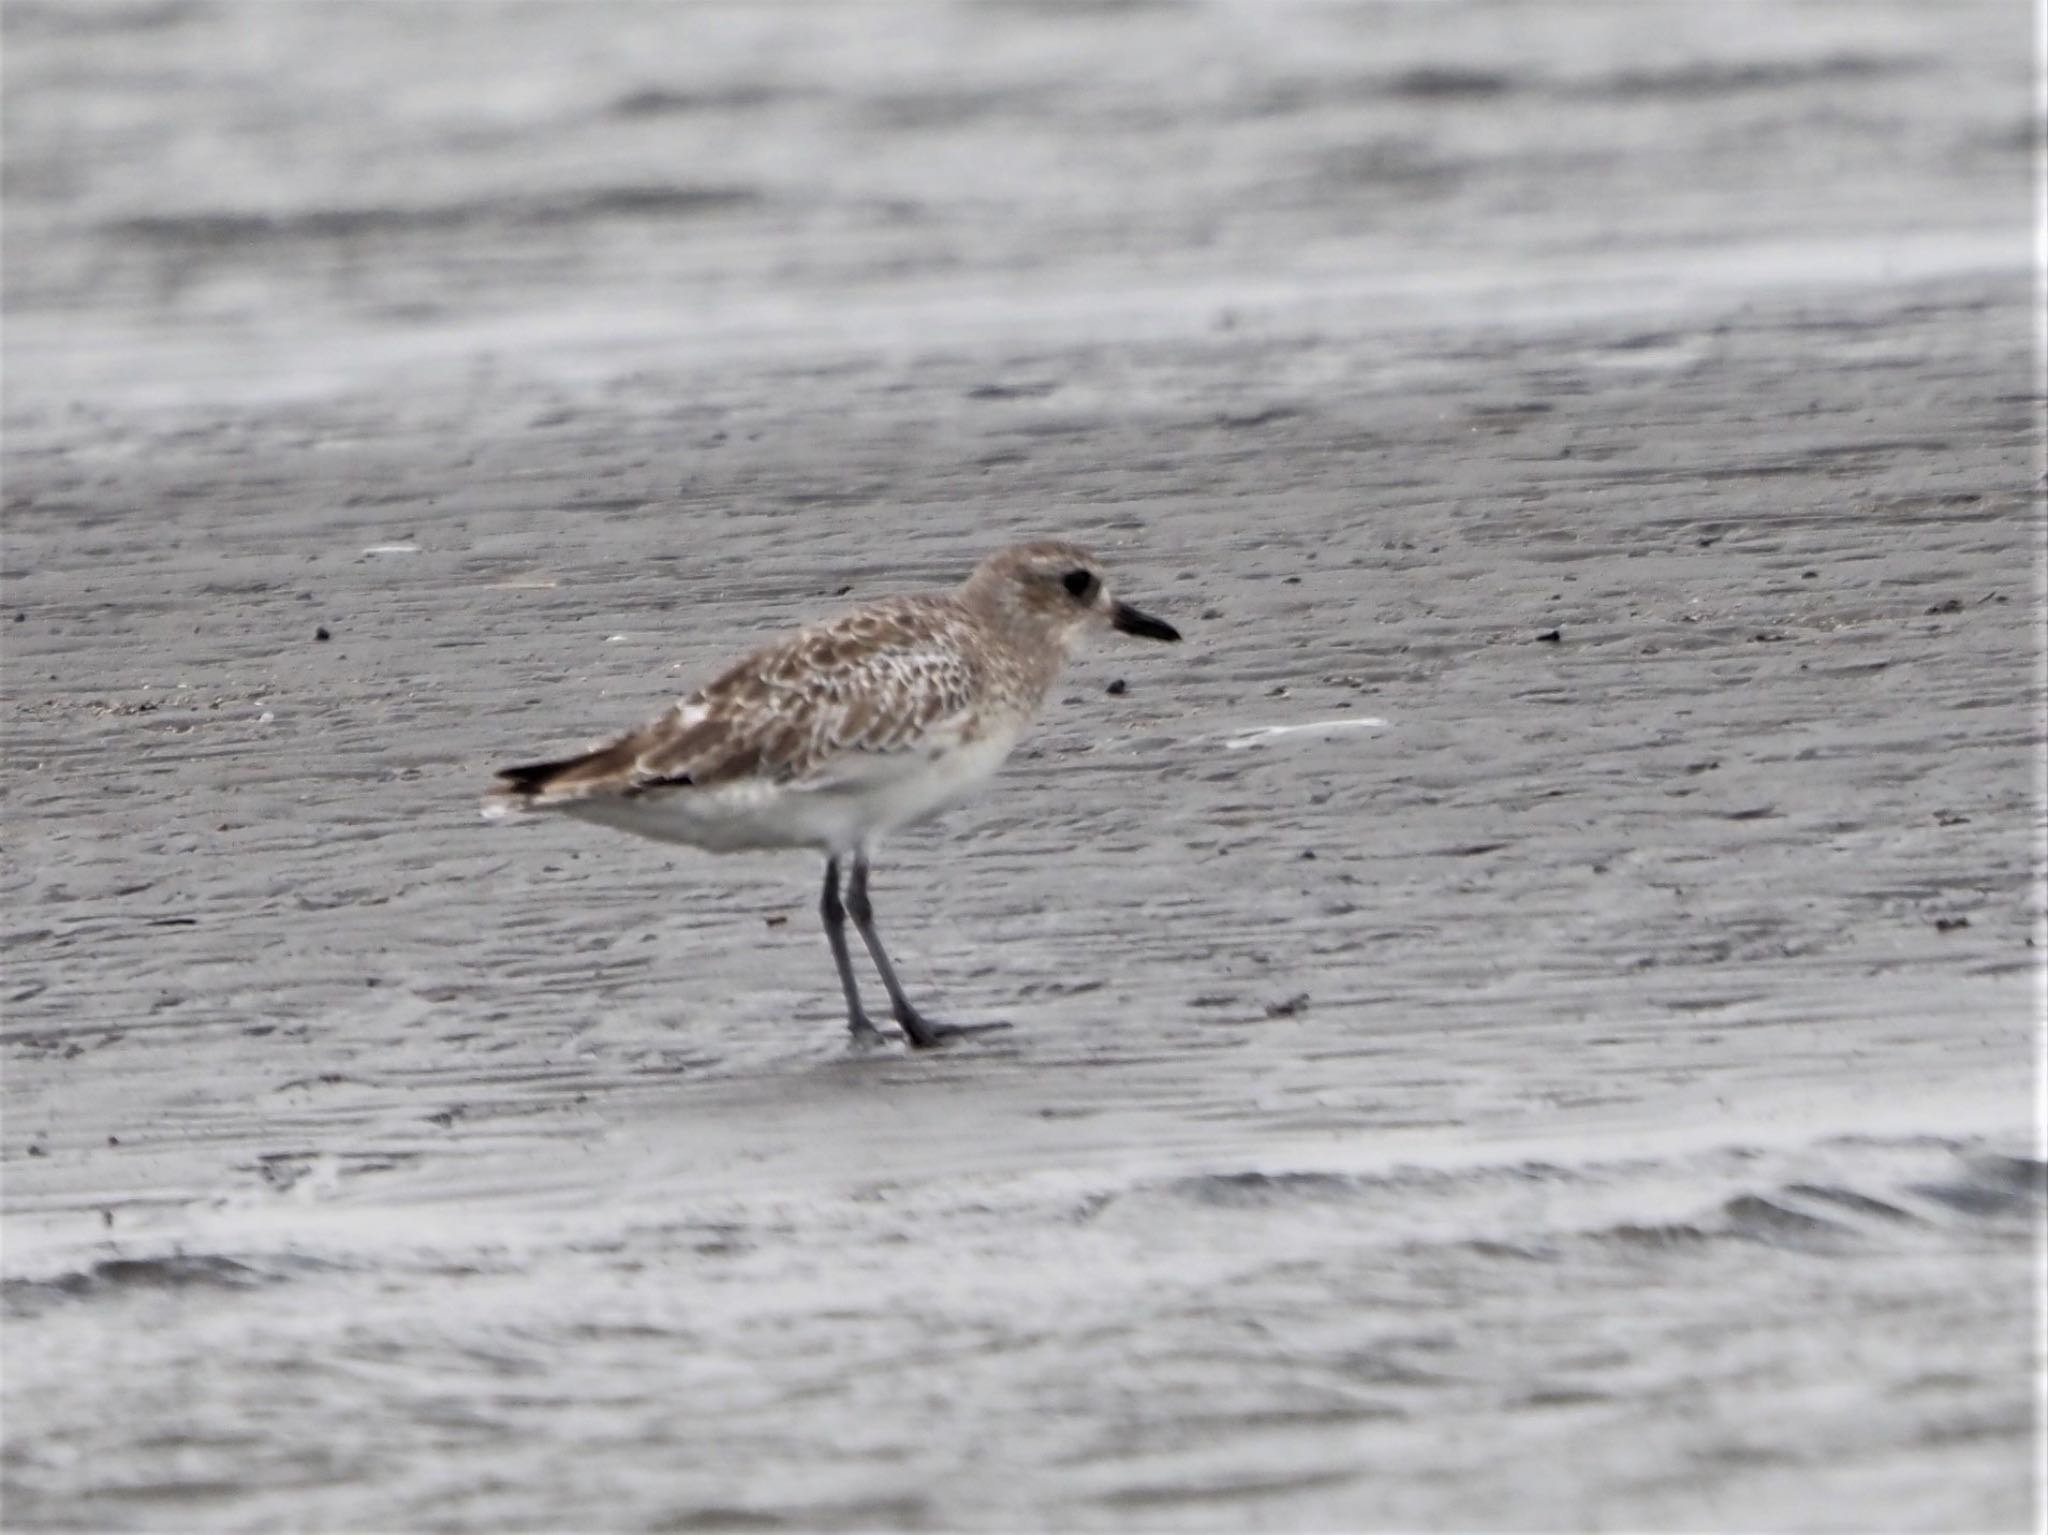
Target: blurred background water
{"points": [[253, 197]]}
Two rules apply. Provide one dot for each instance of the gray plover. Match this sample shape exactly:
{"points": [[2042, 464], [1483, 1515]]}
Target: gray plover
{"points": [[844, 731]]}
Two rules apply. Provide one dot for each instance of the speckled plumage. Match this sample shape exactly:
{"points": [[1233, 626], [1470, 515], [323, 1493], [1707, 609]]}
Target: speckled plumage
{"points": [[845, 730], [879, 681], [876, 699]]}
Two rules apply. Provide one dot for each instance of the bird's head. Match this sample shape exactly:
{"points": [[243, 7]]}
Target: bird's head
{"points": [[1057, 589]]}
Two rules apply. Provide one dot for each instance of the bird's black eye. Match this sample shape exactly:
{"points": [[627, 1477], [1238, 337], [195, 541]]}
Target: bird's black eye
{"points": [[1080, 584]]}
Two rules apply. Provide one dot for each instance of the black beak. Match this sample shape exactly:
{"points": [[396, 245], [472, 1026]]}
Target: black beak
{"points": [[1127, 618]]}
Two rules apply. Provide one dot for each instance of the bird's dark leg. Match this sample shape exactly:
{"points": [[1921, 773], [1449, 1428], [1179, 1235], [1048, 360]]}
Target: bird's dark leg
{"points": [[921, 1032], [834, 914]]}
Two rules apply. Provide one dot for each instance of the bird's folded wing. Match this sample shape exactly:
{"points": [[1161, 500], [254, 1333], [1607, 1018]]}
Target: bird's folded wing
{"points": [[834, 706], [835, 717]]}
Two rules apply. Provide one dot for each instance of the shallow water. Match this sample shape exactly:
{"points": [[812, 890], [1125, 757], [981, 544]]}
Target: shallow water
{"points": [[1495, 1336], [1575, 1069]]}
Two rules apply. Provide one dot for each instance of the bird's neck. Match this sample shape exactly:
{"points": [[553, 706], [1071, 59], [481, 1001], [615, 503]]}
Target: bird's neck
{"points": [[1026, 656]]}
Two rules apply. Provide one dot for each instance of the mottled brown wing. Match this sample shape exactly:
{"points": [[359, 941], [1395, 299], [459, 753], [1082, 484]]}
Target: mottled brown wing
{"points": [[878, 682], [835, 701]]}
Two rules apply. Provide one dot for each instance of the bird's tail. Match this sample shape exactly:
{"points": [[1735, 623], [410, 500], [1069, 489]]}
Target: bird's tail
{"points": [[538, 785], [620, 768]]}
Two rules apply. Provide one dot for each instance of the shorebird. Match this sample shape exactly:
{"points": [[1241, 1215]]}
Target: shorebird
{"points": [[844, 731]]}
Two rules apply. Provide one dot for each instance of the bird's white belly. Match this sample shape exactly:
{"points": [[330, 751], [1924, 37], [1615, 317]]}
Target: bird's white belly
{"points": [[939, 779], [837, 813]]}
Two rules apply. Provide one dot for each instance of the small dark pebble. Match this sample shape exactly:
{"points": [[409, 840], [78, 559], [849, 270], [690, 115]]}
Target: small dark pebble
{"points": [[1950, 924], [113, 1140], [1293, 1007], [1308, 855], [1290, 580], [37, 1151], [1953, 605], [842, 591], [21, 618], [1809, 575], [1117, 689], [1551, 637], [322, 634]]}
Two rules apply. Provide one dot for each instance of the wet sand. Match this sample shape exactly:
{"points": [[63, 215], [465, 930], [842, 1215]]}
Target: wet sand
{"points": [[1598, 1096]]}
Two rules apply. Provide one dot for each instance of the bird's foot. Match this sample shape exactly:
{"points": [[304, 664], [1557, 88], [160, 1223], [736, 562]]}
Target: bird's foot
{"points": [[865, 1036], [926, 1035]]}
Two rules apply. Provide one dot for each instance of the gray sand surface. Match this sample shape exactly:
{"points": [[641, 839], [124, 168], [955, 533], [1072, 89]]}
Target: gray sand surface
{"points": [[1599, 1095]]}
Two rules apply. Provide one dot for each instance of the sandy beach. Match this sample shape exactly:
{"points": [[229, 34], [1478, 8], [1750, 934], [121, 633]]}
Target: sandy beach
{"points": [[1526, 1020]]}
